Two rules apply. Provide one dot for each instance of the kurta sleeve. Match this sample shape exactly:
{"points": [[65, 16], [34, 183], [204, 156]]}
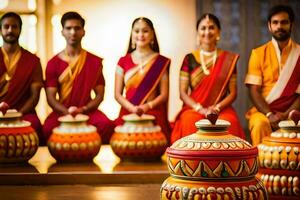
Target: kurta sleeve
{"points": [[254, 74]]}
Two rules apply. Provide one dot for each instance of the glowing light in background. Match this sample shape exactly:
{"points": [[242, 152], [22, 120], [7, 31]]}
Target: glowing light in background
{"points": [[56, 2], [3, 4], [106, 159], [58, 41], [42, 160], [31, 4]]}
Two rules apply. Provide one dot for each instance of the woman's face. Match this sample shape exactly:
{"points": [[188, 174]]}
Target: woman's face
{"points": [[142, 34], [208, 32]]}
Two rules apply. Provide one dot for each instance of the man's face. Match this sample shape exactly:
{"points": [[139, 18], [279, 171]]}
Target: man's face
{"points": [[73, 32], [280, 26], [10, 30]]}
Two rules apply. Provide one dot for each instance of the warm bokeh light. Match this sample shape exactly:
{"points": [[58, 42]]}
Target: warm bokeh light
{"points": [[31, 4], [106, 159], [42, 160], [3, 4]]}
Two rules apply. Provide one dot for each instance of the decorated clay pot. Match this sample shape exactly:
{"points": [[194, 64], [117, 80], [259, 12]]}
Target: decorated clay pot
{"points": [[74, 139], [138, 138], [279, 161], [18, 140], [212, 164]]}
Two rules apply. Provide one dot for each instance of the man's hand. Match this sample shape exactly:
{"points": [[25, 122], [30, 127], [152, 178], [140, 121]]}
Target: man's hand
{"points": [[295, 116], [73, 110], [4, 107], [274, 119]]}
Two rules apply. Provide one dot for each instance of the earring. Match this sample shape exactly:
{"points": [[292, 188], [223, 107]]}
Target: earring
{"points": [[218, 38], [152, 44], [133, 45]]}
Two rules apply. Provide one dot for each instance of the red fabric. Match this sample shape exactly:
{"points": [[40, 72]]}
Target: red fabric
{"points": [[288, 95], [160, 112], [36, 125], [90, 76], [19, 86], [207, 93], [209, 89]]}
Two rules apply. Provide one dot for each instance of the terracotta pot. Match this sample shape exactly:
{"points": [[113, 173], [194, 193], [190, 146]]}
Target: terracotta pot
{"points": [[212, 164], [279, 161], [18, 140], [138, 139], [74, 139]]}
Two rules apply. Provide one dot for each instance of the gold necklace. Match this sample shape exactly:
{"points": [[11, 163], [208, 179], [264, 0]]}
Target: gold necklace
{"points": [[141, 60], [202, 60]]}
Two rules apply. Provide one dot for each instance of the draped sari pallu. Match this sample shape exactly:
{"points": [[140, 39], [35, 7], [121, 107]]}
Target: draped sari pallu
{"points": [[139, 86], [209, 91], [16, 91], [85, 75], [288, 95]]}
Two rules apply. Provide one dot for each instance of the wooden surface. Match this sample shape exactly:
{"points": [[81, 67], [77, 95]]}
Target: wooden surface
{"points": [[106, 168], [81, 192]]}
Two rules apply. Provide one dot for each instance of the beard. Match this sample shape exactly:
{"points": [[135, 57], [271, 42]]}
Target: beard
{"points": [[10, 39], [281, 35]]}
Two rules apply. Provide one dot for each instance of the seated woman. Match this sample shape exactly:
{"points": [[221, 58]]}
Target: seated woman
{"points": [[143, 74], [210, 74]]}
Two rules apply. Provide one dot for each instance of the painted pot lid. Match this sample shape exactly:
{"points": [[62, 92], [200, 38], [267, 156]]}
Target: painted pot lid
{"points": [[135, 117], [289, 124], [11, 113], [70, 118], [210, 137]]}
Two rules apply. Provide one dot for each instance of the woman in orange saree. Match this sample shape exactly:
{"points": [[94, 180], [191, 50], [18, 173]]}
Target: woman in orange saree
{"points": [[143, 74], [210, 74]]}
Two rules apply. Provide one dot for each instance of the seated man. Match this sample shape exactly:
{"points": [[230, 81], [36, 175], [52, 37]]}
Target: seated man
{"points": [[273, 76], [21, 76], [73, 74]]}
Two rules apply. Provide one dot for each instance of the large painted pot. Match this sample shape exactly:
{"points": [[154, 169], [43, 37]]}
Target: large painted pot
{"points": [[74, 139], [212, 164], [18, 140], [138, 139], [279, 161]]}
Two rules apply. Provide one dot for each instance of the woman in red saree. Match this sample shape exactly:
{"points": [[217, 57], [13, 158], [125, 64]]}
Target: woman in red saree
{"points": [[210, 74], [143, 74]]}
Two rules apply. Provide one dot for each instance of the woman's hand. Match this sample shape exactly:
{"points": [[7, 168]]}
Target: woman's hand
{"points": [[203, 111], [137, 110]]}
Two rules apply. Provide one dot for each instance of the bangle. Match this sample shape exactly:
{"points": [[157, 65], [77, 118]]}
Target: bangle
{"points": [[150, 104], [197, 107], [269, 114]]}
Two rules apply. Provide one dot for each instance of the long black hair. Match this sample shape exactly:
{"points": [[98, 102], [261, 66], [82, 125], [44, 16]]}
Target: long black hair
{"points": [[154, 46]]}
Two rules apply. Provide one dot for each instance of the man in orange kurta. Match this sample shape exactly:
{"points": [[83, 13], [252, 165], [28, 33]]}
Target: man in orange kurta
{"points": [[273, 76], [21, 77], [74, 73]]}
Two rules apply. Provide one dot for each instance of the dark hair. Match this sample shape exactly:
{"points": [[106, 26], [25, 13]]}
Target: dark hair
{"points": [[210, 16], [155, 46], [71, 15], [281, 8], [11, 14]]}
